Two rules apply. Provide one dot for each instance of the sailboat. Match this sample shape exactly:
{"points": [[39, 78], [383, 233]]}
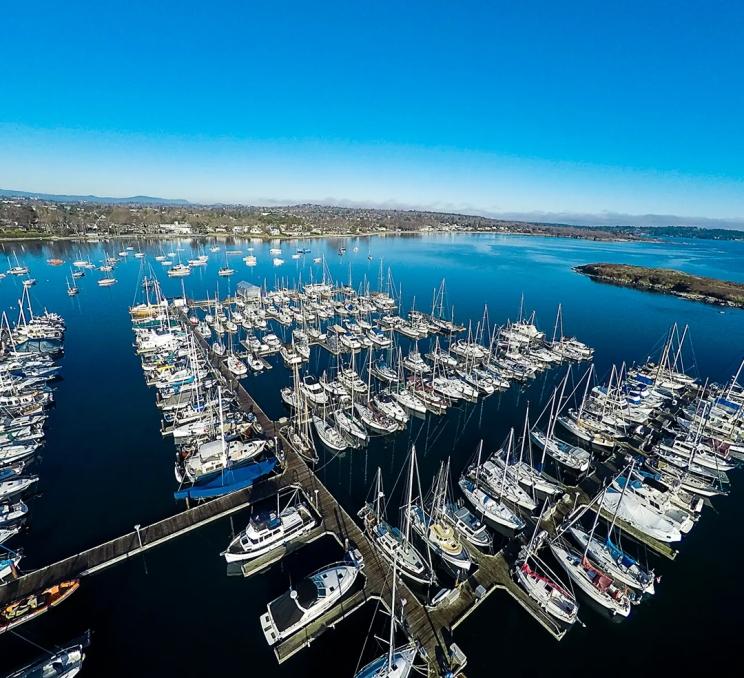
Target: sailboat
{"points": [[372, 418], [439, 534], [495, 511], [64, 663], [220, 466], [494, 472], [298, 431], [398, 661], [594, 581], [571, 457], [225, 271], [72, 289], [536, 578], [525, 473], [330, 436], [392, 543]]}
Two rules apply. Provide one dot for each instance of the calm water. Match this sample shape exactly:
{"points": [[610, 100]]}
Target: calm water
{"points": [[105, 466]]}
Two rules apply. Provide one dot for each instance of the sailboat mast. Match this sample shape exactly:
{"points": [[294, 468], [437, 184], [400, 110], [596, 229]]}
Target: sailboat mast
{"points": [[222, 426], [409, 496], [594, 526], [506, 461], [391, 647], [586, 391], [620, 501]]}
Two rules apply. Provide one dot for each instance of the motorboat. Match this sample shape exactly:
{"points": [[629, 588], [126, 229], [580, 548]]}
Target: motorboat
{"points": [[310, 598], [270, 529]]}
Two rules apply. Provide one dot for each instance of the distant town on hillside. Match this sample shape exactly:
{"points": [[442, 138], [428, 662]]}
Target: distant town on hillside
{"points": [[27, 215]]}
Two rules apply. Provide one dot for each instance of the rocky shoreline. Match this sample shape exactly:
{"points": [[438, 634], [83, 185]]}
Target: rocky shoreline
{"points": [[667, 281]]}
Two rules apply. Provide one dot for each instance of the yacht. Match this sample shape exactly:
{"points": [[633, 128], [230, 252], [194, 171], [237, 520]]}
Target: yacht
{"points": [[313, 391], [268, 530], [312, 596]]}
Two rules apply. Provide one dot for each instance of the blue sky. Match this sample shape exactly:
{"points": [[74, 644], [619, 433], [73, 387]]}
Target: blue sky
{"points": [[494, 107]]}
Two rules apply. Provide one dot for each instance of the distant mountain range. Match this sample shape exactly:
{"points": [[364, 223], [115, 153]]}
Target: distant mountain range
{"points": [[53, 197]]}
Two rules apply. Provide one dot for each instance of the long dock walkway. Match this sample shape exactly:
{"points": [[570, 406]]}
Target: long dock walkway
{"points": [[135, 542]]}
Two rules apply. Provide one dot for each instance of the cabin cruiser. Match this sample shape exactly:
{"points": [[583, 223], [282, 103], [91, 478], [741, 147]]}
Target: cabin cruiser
{"points": [[268, 530], [635, 512], [313, 391], [313, 595]]}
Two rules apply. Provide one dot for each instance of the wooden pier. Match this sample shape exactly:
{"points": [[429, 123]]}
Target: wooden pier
{"points": [[137, 541]]}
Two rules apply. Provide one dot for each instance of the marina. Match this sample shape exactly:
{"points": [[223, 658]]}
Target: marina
{"points": [[253, 445]]}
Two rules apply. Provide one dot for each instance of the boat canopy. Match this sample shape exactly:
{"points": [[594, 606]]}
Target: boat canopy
{"points": [[229, 480]]}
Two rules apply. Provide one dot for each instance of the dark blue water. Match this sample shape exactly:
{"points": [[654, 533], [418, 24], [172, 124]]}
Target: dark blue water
{"points": [[105, 466]]}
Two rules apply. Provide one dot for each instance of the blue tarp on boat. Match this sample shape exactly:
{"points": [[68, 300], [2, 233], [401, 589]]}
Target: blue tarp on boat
{"points": [[230, 480]]}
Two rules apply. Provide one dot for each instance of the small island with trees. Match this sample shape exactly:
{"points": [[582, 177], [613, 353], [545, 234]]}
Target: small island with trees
{"points": [[668, 281]]}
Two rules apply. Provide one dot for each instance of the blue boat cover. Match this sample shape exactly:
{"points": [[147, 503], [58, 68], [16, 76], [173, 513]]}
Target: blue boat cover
{"points": [[619, 555], [230, 480], [728, 404]]}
